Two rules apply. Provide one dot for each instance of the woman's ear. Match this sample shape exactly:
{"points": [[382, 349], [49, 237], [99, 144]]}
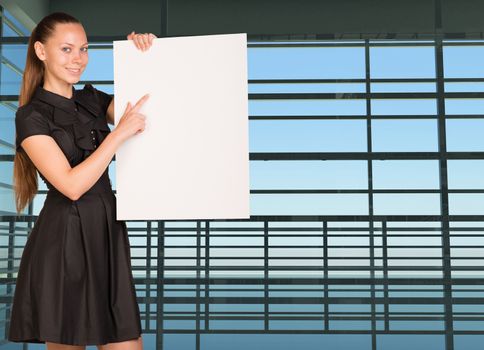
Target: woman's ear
{"points": [[39, 50]]}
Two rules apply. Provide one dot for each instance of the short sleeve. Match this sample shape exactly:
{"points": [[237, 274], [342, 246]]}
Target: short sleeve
{"points": [[29, 122], [103, 99]]}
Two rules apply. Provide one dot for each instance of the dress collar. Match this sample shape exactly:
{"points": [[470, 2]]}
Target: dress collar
{"points": [[66, 104]]}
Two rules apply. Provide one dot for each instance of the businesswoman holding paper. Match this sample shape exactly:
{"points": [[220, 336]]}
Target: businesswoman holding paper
{"points": [[74, 285]]}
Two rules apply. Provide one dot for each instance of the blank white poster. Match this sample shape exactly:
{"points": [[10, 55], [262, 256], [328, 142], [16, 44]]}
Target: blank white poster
{"points": [[192, 160]]}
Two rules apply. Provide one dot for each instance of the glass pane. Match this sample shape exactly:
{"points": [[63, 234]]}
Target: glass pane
{"points": [[307, 107], [307, 88], [306, 63], [466, 203], [402, 62], [405, 174], [464, 87], [468, 342], [413, 341], [6, 173], [7, 31], [308, 175], [464, 174], [404, 135], [307, 136], [7, 201], [455, 106], [403, 87], [7, 129], [463, 61], [285, 341], [309, 204], [465, 135], [16, 54], [403, 107], [406, 204], [10, 81], [100, 65]]}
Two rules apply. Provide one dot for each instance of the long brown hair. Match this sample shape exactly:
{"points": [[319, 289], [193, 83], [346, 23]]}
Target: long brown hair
{"points": [[24, 172]]}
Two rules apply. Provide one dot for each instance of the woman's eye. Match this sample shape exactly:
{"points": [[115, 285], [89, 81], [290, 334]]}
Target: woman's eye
{"points": [[66, 49], [84, 49]]}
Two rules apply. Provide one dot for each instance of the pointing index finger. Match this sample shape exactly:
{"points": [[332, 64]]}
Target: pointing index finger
{"points": [[141, 101]]}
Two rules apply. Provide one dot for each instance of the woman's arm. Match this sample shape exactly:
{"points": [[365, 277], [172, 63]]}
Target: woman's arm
{"points": [[49, 159], [72, 182], [142, 42]]}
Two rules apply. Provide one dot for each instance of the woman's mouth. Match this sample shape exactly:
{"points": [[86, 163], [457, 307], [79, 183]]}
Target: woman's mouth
{"points": [[74, 70]]}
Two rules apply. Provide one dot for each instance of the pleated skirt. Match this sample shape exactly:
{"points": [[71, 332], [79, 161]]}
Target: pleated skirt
{"points": [[75, 284]]}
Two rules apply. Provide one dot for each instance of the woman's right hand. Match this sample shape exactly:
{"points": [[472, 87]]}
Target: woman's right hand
{"points": [[132, 122]]}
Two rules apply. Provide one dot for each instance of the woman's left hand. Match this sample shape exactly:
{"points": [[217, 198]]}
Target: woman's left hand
{"points": [[142, 41]]}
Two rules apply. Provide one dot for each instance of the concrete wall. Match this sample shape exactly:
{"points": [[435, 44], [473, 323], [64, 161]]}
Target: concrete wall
{"points": [[299, 17], [271, 17], [113, 17]]}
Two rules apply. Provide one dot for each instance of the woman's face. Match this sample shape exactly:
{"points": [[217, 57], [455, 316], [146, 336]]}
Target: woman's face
{"points": [[64, 53]]}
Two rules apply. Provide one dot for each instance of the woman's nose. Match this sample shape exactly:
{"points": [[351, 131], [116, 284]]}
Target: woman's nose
{"points": [[76, 56]]}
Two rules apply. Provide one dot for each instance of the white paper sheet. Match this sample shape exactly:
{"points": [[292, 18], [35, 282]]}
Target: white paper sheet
{"points": [[192, 160]]}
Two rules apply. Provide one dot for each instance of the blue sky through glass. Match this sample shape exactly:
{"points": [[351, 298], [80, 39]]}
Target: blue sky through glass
{"points": [[416, 132]]}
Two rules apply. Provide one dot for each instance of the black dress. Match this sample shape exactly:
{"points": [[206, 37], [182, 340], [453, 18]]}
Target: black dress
{"points": [[75, 285]]}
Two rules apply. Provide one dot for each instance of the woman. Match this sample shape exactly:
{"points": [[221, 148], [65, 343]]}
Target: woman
{"points": [[74, 285]]}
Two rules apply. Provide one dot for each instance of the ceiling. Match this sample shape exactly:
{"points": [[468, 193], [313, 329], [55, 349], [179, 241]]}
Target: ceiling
{"points": [[267, 18]]}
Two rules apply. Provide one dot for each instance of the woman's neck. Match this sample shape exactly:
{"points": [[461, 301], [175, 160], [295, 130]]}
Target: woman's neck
{"points": [[58, 87]]}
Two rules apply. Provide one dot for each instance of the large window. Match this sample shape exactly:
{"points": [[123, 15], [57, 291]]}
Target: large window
{"points": [[367, 194]]}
